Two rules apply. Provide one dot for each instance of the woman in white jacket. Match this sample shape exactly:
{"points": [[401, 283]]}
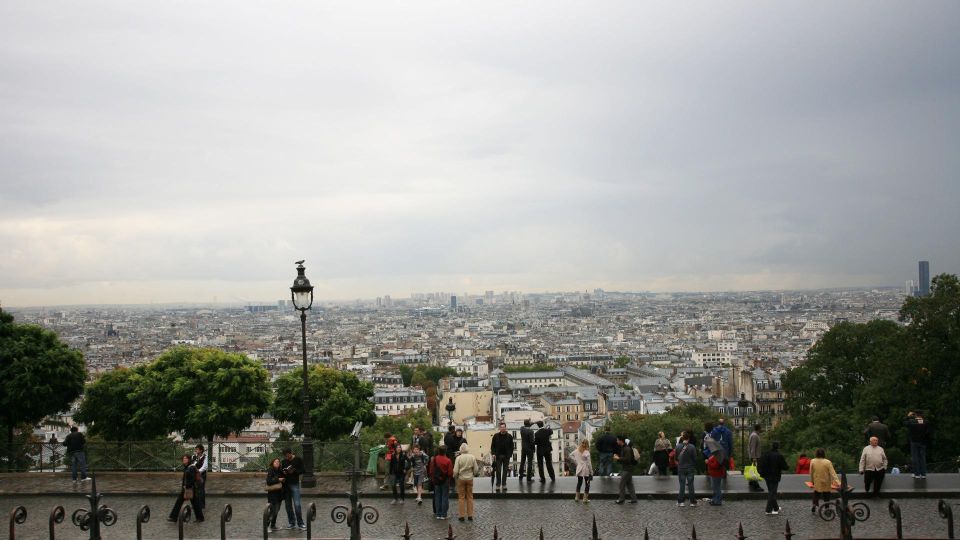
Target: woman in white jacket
{"points": [[581, 458]]}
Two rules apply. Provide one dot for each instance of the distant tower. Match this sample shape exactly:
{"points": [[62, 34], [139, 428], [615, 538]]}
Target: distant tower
{"points": [[924, 285], [909, 288], [453, 302]]}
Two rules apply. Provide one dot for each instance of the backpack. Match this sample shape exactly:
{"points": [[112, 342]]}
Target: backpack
{"points": [[437, 477]]}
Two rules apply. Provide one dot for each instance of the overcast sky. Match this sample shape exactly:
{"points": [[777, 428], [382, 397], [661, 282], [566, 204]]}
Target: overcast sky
{"points": [[186, 151]]}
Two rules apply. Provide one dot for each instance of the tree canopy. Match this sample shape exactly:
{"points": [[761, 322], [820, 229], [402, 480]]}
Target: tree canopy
{"points": [[882, 369], [39, 374], [338, 400], [200, 392]]}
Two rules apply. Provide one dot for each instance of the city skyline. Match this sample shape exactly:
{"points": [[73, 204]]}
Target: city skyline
{"points": [[185, 153]]}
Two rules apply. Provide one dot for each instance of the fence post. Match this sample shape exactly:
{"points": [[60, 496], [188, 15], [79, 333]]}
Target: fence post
{"points": [[894, 510], [266, 520], [143, 516], [946, 512], [183, 517], [311, 515], [17, 515], [740, 535], [450, 535], [496, 534], [596, 534], [693, 533], [56, 516], [225, 516], [787, 533]]}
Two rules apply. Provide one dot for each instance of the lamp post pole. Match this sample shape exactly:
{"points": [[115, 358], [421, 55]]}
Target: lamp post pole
{"points": [[302, 295], [743, 405]]}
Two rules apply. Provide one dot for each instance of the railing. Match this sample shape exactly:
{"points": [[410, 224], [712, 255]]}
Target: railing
{"points": [[165, 455], [20, 515]]}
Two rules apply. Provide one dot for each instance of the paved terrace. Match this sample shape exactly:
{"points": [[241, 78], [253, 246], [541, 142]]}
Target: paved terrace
{"points": [[518, 514]]}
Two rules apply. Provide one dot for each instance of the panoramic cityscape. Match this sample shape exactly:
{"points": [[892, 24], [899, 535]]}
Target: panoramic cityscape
{"points": [[479, 270]]}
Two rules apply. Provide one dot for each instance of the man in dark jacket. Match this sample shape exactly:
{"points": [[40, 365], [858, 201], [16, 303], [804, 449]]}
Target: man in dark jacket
{"points": [[187, 482], [292, 469], [877, 429], [425, 441], [527, 446], [606, 446], [452, 440], [919, 430], [544, 450], [628, 462], [502, 449], [770, 466], [77, 450]]}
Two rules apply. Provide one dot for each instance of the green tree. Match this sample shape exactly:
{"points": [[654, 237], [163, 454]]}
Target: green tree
{"points": [[642, 429], [200, 392], [879, 368], [621, 361], [39, 375], [338, 400], [107, 408], [529, 368]]}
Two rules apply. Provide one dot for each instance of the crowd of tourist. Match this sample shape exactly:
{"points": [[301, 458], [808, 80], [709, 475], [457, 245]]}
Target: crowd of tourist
{"points": [[450, 468]]}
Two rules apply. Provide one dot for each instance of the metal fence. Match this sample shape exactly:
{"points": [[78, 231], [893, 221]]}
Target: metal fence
{"points": [[166, 455]]}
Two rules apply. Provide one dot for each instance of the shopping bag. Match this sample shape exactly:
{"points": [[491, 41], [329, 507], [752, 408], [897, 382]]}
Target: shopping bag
{"points": [[751, 474]]}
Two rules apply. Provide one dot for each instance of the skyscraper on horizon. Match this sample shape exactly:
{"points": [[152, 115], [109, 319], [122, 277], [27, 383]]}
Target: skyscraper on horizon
{"points": [[923, 287], [453, 302]]}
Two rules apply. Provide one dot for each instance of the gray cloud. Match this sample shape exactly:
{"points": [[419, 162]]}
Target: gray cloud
{"points": [[202, 148]]}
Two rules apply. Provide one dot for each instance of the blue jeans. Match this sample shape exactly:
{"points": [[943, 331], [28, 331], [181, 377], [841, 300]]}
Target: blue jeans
{"points": [[441, 499], [686, 484], [918, 458], [717, 485], [78, 460], [606, 464], [293, 504]]}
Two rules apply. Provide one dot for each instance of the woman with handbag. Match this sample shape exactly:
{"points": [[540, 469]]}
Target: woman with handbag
{"points": [[275, 490], [187, 485]]}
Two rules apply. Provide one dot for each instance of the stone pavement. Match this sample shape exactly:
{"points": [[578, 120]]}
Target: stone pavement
{"points": [[515, 519], [251, 485]]}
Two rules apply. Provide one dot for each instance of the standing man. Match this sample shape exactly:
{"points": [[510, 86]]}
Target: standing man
{"points": [[628, 461], [873, 466], [200, 462], [526, 451], [753, 451], [544, 450], [919, 431], [425, 441], [771, 466], [418, 465], [76, 445], [501, 447], [686, 468], [292, 469], [877, 429], [606, 446]]}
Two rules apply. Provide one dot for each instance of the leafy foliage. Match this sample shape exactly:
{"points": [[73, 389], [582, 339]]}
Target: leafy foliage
{"points": [[200, 392], [39, 374], [878, 368], [337, 401], [529, 368], [642, 429]]}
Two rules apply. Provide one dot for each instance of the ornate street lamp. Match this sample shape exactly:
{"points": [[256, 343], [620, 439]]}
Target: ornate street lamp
{"points": [[301, 293]]}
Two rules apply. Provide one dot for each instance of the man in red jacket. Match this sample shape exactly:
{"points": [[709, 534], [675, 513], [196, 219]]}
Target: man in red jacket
{"points": [[440, 470]]}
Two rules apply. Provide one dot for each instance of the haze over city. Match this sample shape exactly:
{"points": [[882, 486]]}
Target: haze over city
{"points": [[190, 152]]}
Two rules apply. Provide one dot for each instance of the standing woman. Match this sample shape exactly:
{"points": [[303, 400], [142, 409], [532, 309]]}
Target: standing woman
{"points": [[581, 457], [187, 485], [823, 476], [275, 490], [661, 454]]}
